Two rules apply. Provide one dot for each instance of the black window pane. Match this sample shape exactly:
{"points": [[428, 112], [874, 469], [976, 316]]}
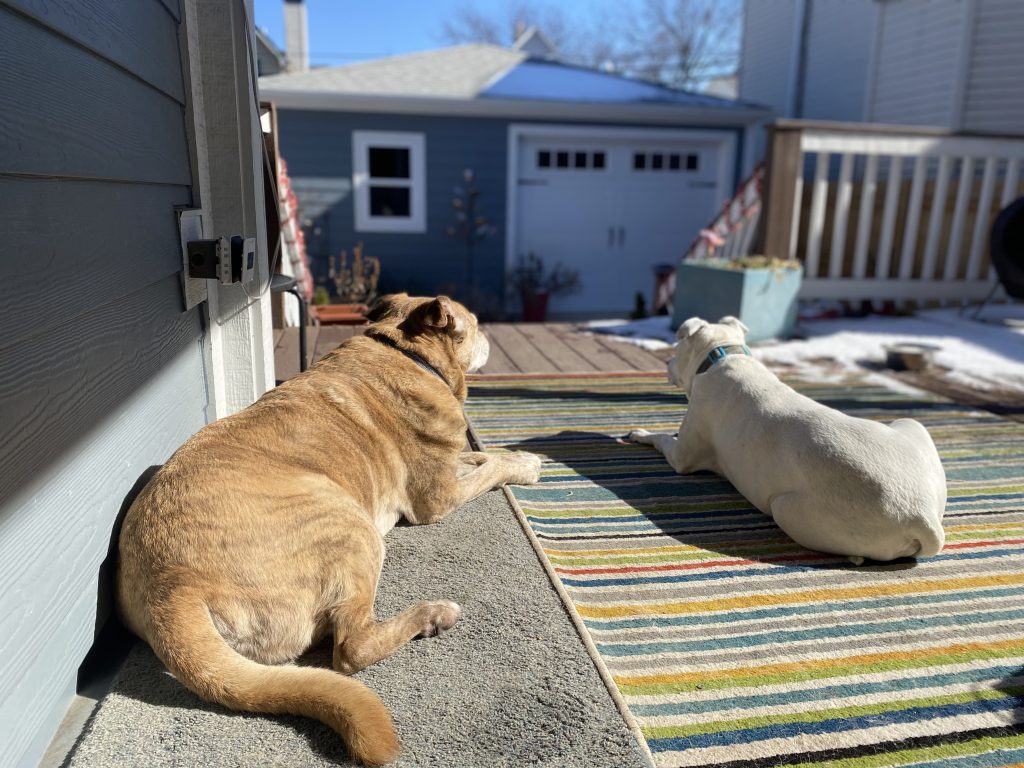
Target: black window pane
{"points": [[543, 159], [639, 161], [657, 161], [580, 161], [673, 162], [389, 163], [562, 159], [692, 162], [598, 160], [390, 201]]}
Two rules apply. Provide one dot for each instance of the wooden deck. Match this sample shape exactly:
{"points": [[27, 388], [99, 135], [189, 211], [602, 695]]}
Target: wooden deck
{"points": [[567, 348], [515, 348]]}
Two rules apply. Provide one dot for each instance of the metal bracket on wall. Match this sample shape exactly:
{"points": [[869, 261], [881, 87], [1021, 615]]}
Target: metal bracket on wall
{"points": [[190, 227]]}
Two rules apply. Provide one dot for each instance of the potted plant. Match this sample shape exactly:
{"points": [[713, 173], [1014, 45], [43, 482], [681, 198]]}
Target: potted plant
{"points": [[761, 291], [321, 296], [355, 284], [535, 285]]}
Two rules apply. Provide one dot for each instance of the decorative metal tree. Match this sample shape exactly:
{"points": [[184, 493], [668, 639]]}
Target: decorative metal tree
{"points": [[470, 226]]}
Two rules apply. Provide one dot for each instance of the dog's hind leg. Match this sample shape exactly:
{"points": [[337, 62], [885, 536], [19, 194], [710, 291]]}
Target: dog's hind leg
{"points": [[789, 512], [359, 639]]}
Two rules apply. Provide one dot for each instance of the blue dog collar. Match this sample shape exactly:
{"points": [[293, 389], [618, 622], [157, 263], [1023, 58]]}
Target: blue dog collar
{"points": [[718, 354]]}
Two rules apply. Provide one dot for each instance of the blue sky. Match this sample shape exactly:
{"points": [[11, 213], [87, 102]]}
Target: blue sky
{"points": [[342, 31]]}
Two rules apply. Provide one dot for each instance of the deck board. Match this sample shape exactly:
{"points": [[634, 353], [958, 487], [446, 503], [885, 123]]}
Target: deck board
{"points": [[638, 357], [601, 357], [498, 361], [555, 348], [520, 350], [515, 348], [332, 336]]}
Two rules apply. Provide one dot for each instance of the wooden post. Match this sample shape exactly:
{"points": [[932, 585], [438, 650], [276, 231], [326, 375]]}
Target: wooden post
{"points": [[782, 171]]}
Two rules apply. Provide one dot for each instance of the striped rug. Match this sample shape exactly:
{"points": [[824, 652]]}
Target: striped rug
{"points": [[725, 643]]}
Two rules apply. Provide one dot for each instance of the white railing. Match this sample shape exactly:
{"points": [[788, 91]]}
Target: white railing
{"points": [[882, 212]]}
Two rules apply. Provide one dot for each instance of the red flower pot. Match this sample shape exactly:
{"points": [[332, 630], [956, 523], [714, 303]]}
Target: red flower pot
{"points": [[535, 307], [341, 314]]}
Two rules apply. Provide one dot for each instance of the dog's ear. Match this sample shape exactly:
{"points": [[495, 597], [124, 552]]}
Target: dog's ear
{"points": [[386, 305], [441, 315], [735, 322], [690, 327]]}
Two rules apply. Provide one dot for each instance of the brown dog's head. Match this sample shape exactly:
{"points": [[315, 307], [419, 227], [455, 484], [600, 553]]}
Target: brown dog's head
{"points": [[434, 320], [696, 338]]}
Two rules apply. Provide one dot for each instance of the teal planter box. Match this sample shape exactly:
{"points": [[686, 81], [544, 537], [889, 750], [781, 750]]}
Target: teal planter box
{"points": [[765, 300]]}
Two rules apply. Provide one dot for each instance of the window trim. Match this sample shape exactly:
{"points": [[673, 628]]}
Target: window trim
{"points": [[416, 143]]}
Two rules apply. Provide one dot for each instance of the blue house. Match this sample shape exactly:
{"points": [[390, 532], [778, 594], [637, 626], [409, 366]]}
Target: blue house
{"points": [[605, 174]]}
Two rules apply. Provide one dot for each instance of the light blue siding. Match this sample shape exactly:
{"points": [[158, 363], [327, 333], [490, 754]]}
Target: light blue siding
{"points": [[317, 147], [101, 371]]}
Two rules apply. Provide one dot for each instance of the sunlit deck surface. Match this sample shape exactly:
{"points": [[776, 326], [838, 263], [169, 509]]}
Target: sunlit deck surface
{"points": [[515, 348], [569, 348]]}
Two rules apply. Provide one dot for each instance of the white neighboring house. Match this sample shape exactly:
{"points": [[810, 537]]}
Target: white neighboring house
{"points": [[954, 64]]}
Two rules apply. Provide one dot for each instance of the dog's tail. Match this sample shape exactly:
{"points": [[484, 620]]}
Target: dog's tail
{"points": [[184, 637]]}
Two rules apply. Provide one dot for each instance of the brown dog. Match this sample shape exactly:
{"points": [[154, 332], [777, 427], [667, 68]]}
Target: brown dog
{"points": [[264, 531]]}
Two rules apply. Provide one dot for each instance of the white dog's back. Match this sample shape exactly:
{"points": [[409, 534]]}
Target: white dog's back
{"points": [[833, 482]]}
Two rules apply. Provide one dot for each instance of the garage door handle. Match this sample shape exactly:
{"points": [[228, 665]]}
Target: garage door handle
{"points": [[533, 182], [622, 236], [611, 236]]}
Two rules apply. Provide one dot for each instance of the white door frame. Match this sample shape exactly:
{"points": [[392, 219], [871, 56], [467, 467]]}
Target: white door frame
{"points": [[223, 124], [726, 140]]}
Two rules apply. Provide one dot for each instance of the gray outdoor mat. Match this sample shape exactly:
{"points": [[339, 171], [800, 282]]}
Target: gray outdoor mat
{"points": [[510, 685]]}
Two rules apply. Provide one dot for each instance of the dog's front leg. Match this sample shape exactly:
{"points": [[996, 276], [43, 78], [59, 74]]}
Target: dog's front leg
{"points": [[677, 450], [497, 469], [475, 474]]}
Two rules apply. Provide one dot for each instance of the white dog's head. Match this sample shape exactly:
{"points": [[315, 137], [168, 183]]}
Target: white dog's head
{"points": [[696, 338]]}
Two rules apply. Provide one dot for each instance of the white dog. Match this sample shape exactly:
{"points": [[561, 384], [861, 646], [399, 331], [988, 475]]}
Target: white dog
{"points": [[833, 482]]}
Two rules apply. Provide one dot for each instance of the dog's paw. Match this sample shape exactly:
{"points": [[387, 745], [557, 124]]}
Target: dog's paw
{"points": [[856, 559], [437, 617], [642, 436], [524, 468]]}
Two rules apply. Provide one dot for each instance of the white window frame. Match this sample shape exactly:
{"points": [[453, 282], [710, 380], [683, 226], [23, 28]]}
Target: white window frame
{"points": [[416, 143]]}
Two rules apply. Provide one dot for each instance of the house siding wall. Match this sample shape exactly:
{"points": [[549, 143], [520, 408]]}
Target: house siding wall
{"points": [[766, 53], [317, 147], [918, 61], [994, 95], [101, 372], [838, 53], [836, 58]]}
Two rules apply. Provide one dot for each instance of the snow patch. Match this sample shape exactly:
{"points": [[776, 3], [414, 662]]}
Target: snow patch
{"points": [[983, 355]]}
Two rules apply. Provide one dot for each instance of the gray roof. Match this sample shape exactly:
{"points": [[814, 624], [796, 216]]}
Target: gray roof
{"points": [[462, 71], [488, 80]]}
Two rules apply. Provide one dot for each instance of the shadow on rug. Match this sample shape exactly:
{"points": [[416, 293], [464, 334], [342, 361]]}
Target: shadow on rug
{"points": [[731, 645]]}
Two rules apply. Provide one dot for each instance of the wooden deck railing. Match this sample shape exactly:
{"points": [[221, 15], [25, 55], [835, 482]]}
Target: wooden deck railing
{"points": [[885, 212]]}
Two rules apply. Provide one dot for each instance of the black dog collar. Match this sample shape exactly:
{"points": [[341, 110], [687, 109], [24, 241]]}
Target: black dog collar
{"points": [[412, 356], [718, 354]]}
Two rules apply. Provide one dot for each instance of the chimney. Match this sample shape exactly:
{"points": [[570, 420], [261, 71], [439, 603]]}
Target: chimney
{"points": [[296, 35]]}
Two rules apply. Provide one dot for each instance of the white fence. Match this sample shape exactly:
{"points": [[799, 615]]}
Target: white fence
{"points": [[887, 213]]}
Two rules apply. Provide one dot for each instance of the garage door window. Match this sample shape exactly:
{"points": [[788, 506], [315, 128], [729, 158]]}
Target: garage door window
{"points": [[665, 161], [570, 159], [389, 181]]}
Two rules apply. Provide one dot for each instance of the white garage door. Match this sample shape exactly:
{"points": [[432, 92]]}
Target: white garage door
{"points": [[612, 204]]}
